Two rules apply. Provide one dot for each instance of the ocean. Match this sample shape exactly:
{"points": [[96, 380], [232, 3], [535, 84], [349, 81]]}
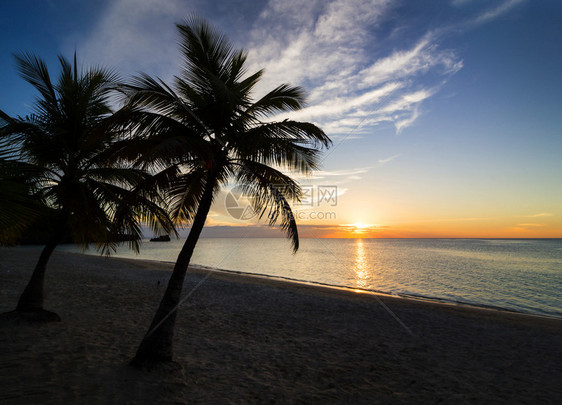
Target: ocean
{"points": [[522, 275]]}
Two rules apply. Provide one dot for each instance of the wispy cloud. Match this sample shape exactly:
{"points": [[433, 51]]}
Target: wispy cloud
{"points": [[338, 173], [333, 177], [338, 106], [305, 42], [351, 89], [539, 215], [461, 219], [496, 12], [460, 2], [382, 162], [136, 36], [334, 48], [419, 59]]}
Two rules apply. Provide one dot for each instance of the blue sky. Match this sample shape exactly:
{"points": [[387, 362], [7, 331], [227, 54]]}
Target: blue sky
{"points": [[445, 115]]}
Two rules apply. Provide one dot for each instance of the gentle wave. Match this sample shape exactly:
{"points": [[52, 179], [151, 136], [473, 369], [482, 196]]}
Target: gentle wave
{"points": [[517, 275]]}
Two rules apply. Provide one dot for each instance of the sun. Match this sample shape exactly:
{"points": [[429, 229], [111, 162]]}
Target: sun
{"points": [[359, 228], [361, 225]]}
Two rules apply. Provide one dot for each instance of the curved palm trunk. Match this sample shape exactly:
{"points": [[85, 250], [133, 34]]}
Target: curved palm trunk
{"points": [[32, 297], [157, 344], [30, 304]]}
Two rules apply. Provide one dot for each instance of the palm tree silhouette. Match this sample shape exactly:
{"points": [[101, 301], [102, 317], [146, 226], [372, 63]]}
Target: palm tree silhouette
{"points": [[207, 131], [69, 150], [18, 209]]}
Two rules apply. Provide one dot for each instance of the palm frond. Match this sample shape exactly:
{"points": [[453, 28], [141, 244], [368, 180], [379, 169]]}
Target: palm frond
{"points": [[185, 194], [208, 127], [269, 191], [284, 153], [206, 52], [82, 170], [281, 99], [143, 90], [34, 70]]}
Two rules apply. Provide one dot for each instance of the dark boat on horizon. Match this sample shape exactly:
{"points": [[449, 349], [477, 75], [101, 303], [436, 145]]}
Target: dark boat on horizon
{"points": [[162, 238]]}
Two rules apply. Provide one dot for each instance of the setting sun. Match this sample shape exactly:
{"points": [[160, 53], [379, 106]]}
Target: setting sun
{"points": [[357, 230], [360, 227]]}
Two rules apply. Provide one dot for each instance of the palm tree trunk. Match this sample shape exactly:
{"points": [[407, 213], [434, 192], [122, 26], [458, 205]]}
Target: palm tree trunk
{"points": [[157, 345], [32, 297], [30, 304]]}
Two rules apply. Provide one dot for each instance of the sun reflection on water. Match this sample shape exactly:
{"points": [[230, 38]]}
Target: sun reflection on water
{"points": [[360, 266]]}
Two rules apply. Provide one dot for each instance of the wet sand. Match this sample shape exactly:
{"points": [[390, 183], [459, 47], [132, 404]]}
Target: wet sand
{"points": [[244, 339]]}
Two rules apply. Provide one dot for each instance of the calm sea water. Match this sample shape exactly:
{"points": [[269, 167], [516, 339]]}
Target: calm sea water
{"points": [[520, 275]]}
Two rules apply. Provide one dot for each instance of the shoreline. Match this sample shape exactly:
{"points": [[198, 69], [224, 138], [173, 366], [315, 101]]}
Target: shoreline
{"points": [[365, 292], [353, 290], [508, 300], [243, 338], [313, 287]]}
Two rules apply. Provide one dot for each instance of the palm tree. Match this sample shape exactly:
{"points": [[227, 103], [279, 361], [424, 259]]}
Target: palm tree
{"points": [[68, 147], [205, 132]]}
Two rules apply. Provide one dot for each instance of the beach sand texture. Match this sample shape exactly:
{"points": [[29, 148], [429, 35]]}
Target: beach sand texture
{"points": [[248, 340]]}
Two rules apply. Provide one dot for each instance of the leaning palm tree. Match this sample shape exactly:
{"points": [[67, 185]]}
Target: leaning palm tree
{"points": [[206, 132], [68, 147]]}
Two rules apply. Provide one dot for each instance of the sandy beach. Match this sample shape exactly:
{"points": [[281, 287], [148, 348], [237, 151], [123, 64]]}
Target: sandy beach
{"points": [[242, 339]]}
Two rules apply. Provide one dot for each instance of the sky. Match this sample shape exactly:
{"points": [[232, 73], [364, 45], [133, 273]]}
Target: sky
{"points": [[445, 115]]}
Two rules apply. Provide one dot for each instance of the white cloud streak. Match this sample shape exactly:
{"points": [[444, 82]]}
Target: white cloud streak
{"points": [[136, 36], [329, 51], [539, 215], [330, 47], [382, 162], [341, 173], [496, 12], [332, 177]]}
